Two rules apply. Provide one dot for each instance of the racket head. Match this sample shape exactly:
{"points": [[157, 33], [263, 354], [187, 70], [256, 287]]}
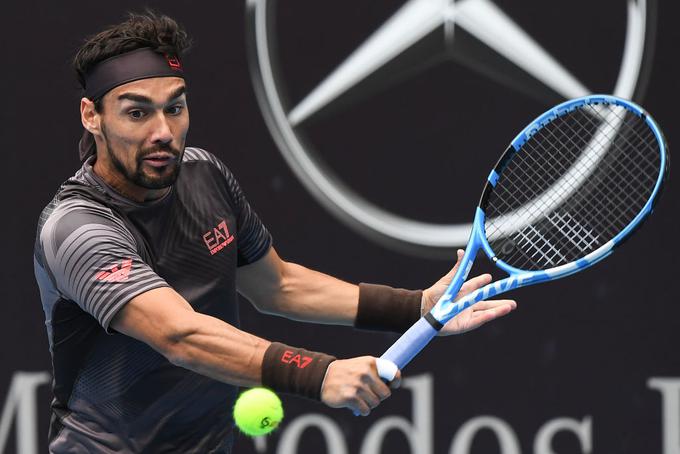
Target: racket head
{"points": [[572, 186]]}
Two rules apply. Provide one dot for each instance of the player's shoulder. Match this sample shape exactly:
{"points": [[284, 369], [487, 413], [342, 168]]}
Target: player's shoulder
{"points": [[200, 155], [195, 154], [64, 216]]}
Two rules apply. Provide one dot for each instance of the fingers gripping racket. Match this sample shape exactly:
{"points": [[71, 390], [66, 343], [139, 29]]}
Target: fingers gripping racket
{"points": [[570, 188]]}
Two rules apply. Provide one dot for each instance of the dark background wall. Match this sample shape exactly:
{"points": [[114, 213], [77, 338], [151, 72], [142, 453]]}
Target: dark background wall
{"points": [[584, 348]]}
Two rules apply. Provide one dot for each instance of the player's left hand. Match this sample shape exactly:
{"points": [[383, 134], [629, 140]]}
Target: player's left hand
{"points": [[472, 317]]}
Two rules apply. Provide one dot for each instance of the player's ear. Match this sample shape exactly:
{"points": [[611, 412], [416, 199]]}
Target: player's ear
{"points": [[89, 116]]}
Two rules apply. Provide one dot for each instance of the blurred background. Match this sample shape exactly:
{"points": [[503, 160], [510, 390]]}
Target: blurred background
{"points": [[339, 118]]}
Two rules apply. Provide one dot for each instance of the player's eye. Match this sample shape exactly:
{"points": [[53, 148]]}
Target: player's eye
{"points": [[136, 114], [176, 109]]}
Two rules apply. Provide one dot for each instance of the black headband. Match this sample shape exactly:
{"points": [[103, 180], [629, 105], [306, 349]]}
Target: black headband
{"points": [[138, 64], [108, 74]]}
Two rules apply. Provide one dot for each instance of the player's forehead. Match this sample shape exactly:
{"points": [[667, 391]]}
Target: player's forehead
{"points": [[156, 89]]}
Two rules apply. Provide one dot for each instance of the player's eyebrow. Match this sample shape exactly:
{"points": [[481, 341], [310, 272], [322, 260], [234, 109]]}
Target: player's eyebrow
{"points": [[146, 100]]}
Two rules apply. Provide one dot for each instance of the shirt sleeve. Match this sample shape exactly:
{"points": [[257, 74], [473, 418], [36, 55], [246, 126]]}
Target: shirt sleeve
{"points": [[94, 260], [254, 240]]}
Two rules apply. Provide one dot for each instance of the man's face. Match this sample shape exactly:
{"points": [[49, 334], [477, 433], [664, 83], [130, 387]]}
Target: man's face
{"points": [[144, 126]]}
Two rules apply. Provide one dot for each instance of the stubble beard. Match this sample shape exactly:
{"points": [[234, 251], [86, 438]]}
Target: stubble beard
{"points": [[137, 176]]}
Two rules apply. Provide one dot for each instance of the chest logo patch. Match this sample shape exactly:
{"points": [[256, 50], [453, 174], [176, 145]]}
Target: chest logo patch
{"points": [[116, 273], [218, 238]]}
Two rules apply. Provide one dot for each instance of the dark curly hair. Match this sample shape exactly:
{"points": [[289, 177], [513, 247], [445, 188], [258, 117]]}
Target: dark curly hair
{"points": [[148, 29]]}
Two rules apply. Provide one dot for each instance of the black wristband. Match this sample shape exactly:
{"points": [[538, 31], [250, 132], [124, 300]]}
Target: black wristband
{"points": [[294, 370], [384, 308]]}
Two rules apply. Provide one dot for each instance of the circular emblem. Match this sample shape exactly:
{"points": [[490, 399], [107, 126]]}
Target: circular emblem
{"points": [[478, 35]]}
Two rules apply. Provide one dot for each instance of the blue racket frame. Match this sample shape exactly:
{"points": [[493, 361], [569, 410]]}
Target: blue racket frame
{"points": [[420, 334]]}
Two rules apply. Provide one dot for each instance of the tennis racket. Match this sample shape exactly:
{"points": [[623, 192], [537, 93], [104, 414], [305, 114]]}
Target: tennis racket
{"points": [[570, 188]]}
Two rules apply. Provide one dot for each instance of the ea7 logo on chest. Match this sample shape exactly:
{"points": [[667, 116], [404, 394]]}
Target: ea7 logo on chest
{"points": [[217, 238]]}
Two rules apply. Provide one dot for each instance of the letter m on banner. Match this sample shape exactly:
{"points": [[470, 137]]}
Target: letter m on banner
{"points": [[21, 405]]}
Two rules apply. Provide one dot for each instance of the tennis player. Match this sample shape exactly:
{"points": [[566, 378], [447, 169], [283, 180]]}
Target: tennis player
{"points": [[140, 256]]}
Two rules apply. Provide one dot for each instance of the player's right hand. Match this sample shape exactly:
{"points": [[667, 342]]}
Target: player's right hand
{"points": [[355, 384]]}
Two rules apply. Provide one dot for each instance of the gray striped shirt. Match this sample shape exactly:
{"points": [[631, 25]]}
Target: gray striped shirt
{"points": [[113, 393]]}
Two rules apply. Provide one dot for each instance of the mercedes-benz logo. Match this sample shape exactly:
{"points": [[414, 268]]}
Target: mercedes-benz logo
{"points": [[504, 52]]}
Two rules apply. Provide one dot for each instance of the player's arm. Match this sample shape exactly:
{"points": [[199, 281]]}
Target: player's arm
{"points": [[277, 287], [283, 288], [164, 320]]}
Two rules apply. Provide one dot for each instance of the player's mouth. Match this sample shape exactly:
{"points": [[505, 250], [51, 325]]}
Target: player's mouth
{"points": [[160, 159]]}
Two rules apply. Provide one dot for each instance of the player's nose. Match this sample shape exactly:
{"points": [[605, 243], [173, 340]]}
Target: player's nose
{"points": [[161, 130]]}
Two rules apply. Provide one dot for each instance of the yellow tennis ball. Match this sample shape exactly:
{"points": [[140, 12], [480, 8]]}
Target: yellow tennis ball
{"points": [[258, 411]]}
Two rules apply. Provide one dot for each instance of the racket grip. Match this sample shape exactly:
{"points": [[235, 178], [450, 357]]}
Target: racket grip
{"points": [[404, 350], [410, 343]]}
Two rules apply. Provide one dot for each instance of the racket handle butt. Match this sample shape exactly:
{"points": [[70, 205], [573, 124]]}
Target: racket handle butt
{"points": [[386, 369]]}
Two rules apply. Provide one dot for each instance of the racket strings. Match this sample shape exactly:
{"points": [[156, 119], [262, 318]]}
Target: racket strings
{"points": [[598, 207], [573, 186], [623, 178], [636, 147], [622, 174]]}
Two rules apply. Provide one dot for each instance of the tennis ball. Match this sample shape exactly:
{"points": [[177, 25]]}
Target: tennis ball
{"points": [[258, 411]]}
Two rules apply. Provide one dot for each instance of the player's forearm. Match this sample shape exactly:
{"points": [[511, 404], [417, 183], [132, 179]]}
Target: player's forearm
{"points": [[217, 350], [309, 295], [213, 348], [278, 287]]}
